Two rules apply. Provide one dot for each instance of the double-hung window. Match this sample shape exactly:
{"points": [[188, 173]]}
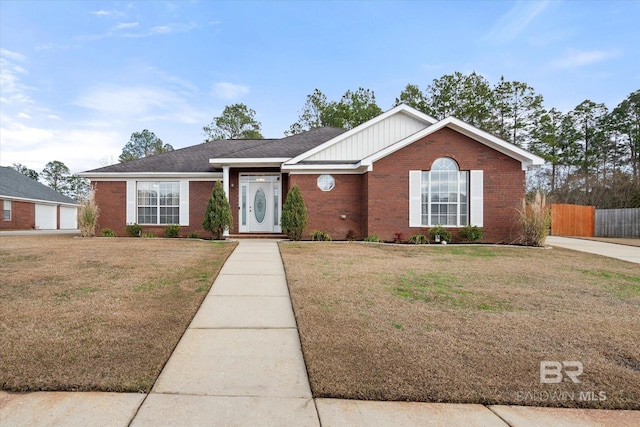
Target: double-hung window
{"points": [[445, 194], [7, 210], [158, 202]]}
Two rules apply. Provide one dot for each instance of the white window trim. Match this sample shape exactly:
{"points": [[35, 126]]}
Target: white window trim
{"points": [[132, 200], [4, 208]]}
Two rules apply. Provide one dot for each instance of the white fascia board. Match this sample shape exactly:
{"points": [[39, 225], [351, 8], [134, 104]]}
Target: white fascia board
{"points": [[123, 176], [40, 202], [323, 169], [402, 108], [526, 158], [249, 162]]}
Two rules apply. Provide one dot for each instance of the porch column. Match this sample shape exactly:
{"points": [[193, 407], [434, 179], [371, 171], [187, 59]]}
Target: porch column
{"points": [[225, 185]]}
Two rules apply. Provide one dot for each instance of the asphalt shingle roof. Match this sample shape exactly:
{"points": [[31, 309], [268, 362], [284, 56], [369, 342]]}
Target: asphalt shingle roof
{"points": [[196, 158], [15, 184]]}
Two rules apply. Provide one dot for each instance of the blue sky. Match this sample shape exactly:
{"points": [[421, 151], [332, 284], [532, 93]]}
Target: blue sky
{"points": [[78, 77]]}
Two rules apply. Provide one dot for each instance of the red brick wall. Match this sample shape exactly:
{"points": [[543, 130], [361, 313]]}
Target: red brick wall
{"points": [[325, 208], [111, 197], [23, 216], [504, 185]]}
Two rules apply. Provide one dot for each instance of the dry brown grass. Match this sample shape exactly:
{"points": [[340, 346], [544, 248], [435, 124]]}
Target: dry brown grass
{"points": [[97, 314], [465, 323]]}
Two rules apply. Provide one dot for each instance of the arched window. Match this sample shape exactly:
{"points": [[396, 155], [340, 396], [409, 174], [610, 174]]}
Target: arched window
{"points": [[445, 194]]}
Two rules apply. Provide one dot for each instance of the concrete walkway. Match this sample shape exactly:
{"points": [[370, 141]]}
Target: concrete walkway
{"points": [[611, 250], [240, 364]]}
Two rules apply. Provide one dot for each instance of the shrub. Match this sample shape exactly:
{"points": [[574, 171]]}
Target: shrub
{"points": [[148, 235], [193, 235], [320, 236], [372, 238], [134, 230], [88, 216], [217, 217], [294, 214], [351, 235], [439, 234], [472, 233], [172, 230], [397, 237], [418, 239], [535, 220], [107, 232]]}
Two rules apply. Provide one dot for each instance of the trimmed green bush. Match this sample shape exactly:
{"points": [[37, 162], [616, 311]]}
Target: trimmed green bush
{"points": [[193, 235], [294, 214], [217, 217], [320, 236], [440, 234], [148, 235], [134, 230], [172, 230], [418, 239], [472, 233], [107, 232], [372, 238]]}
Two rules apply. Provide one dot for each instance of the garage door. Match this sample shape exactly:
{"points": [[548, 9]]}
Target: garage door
{"points": [[68, 218], [46, 217]]}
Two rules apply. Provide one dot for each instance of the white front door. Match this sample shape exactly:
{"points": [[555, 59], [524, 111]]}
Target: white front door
{"points": [[261, 207]]}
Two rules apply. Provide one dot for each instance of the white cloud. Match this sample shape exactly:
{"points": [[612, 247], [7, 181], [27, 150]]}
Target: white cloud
{"points": [[125, 25], [24, 115], [576, 58], [103, 12], [515, 21], [13, 90], [229, 91]]}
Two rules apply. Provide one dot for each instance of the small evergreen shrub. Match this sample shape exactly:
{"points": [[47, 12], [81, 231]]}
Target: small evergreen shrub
{"points": [[418, 239], [193, 235], [107, 232], [148, 235], [320, 236], [294, 214], [134, 230], [472, 233], [351, 235], [218, 217], [372, 238], [172, 230], [440, 234]]}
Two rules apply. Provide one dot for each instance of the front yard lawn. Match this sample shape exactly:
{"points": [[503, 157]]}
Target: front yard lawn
{"points": [[466, 323], [101, 314]]}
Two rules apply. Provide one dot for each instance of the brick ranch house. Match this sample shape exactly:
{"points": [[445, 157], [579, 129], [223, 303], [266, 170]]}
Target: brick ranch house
{"points": [[28, 204], [401, 172]]}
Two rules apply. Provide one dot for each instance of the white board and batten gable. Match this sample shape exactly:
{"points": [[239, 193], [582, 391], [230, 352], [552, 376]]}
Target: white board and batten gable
{"points": [[364, 140]]}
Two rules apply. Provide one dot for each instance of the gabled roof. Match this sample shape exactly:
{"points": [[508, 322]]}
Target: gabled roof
{"points": [[14, 185], [196, 159], [308, 160], [400, 121]]}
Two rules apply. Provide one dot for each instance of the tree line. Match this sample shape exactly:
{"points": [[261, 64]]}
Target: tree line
{"points": [[57, 176], [592, 153]]}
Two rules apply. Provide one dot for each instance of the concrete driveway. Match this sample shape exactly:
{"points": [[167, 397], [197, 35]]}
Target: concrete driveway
{"points": [[623, 252]]}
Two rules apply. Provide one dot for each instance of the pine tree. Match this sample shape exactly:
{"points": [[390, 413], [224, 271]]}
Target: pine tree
{"points": [[218, 216], [294, 214]]}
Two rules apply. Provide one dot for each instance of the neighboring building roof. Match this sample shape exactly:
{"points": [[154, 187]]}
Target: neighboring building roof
{"points": [[195, 159], [15, 185]]}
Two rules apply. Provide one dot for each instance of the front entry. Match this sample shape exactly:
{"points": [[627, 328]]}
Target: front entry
{"points": [[259, 203], [260, 213]]}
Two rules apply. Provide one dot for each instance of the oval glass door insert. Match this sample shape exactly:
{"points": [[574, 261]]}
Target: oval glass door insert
{"points": [[260, 205]]}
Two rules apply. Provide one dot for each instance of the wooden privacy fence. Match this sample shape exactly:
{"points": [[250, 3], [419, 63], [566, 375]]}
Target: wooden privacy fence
{"points": [[618, 222], [572, 220]]}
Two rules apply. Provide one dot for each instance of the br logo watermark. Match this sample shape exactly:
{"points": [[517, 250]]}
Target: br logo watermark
{"points": [[552, 372]]}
